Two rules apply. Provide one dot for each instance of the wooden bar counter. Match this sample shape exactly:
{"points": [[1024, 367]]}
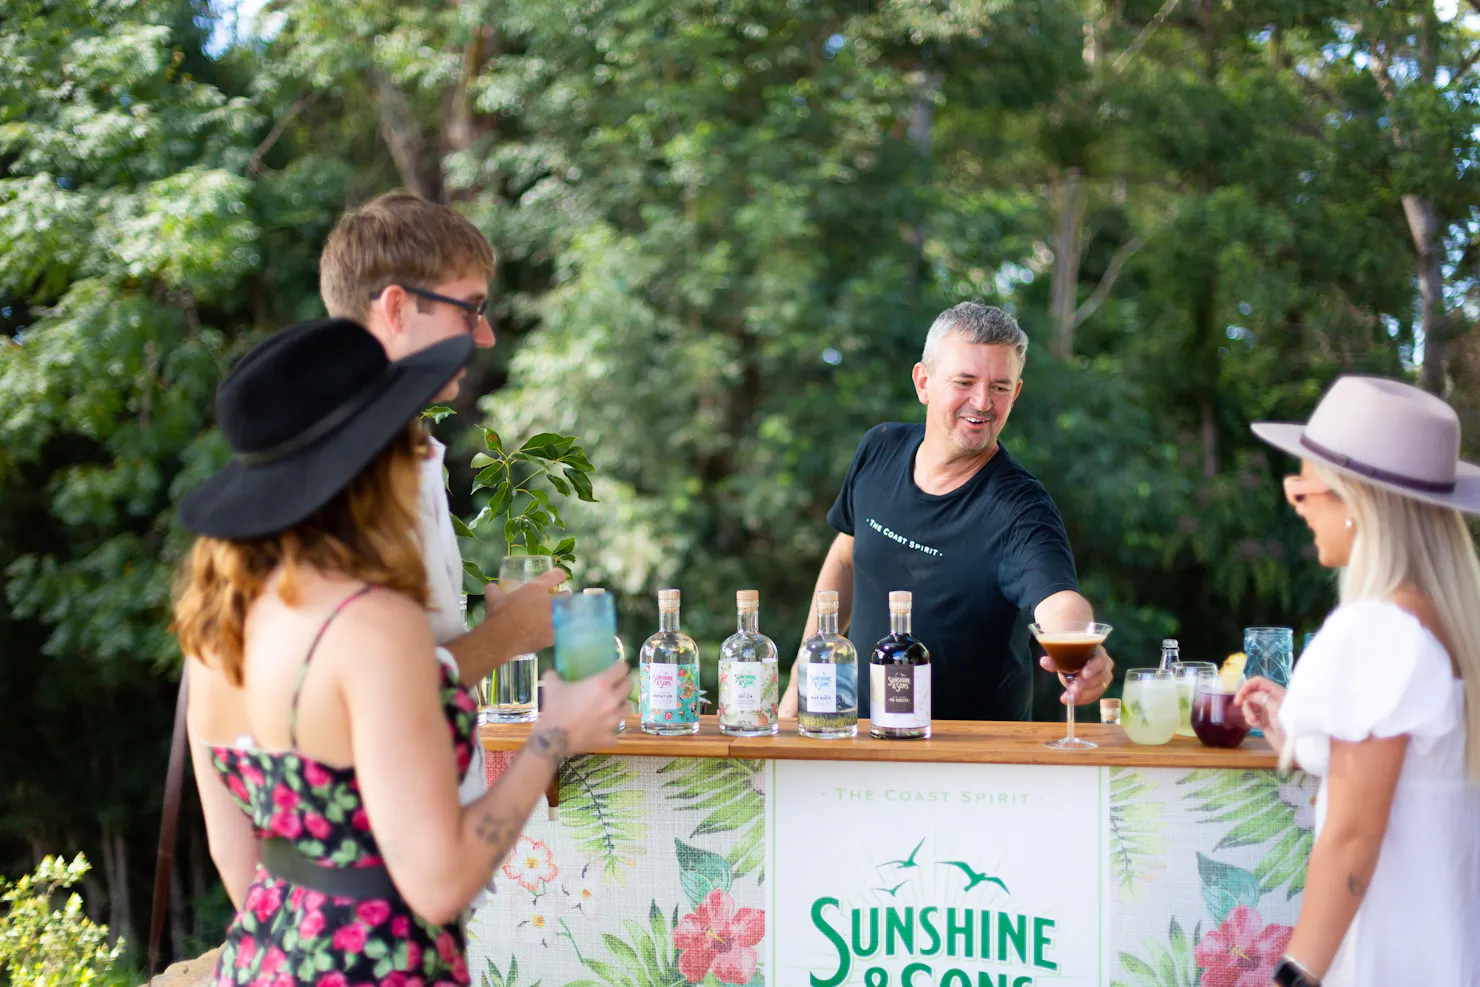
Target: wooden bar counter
{"points": [[951, 742], [977, 858]]}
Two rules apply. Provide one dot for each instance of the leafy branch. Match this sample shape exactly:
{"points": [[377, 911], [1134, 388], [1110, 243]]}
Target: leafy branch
{"points": [[518, 506]]}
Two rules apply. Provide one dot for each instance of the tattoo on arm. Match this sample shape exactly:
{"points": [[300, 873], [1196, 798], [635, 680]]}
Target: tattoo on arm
{"points": [[1356, 885], [496, 830], [553, 744]]}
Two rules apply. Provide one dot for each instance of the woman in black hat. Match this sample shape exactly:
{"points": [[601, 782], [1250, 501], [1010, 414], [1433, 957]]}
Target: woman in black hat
{"points": [[327, 738]]}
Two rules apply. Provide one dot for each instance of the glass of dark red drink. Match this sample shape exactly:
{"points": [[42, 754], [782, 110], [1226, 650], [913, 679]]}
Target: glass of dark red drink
{"points": [[1071, 645], [1216, 719]]}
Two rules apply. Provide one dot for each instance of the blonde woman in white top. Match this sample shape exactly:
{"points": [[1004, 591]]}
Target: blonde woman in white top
{"points": [[1384, 705]]}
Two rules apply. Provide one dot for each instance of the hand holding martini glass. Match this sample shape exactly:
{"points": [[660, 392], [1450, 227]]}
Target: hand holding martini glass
{"points": [[1070, 645]]}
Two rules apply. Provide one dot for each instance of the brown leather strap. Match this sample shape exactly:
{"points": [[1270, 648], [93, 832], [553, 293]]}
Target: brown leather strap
{"points": [[169, 824]]}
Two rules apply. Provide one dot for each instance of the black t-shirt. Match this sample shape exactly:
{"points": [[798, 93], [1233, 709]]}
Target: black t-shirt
{"points": [[978, 559]]}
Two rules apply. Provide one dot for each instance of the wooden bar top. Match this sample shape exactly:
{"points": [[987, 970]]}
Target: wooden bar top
{"points": [[952, 741]]}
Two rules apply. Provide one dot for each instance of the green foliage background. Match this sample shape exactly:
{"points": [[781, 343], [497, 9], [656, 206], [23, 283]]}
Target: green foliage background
{"points": [[723, 229]]}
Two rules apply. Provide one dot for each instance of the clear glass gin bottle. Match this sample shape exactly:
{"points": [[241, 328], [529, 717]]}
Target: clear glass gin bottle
{"points": [[747, 675], [668, 669], [899, 678], [621, 648], [827, 687]]}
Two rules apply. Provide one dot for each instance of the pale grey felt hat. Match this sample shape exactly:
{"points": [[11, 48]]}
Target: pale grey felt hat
{"points": [[1386, 433]]}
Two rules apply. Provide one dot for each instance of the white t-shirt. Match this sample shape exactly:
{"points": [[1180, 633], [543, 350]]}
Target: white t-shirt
{"points": [[448, 612], [1375, 671]]}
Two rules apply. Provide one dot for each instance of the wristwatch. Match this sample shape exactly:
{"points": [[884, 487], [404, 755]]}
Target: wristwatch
{"points": [[1292, 974]]}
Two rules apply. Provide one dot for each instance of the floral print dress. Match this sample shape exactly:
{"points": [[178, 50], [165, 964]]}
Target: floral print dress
{"points": [[287, 935]]}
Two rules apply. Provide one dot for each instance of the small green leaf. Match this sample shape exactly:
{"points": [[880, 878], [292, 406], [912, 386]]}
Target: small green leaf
{"points": [[582, 484], [545, 445], [491, 441], [461, 528], [483, 459], [501, 499], [511, 530], [487, 477], [436, 413], [471, 568], [558, 484], [566, 547]]}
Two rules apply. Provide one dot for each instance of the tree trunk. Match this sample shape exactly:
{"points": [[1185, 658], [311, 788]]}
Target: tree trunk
{"points": [[922, 126], [115, 866], [1424, 224], [1068, 241], [416, 160]]}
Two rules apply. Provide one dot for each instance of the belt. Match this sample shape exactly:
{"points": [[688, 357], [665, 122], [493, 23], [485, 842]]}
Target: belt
{"points": [[282, 859]]}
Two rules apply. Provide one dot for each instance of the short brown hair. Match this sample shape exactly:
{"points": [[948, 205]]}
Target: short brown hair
{"points": [[367, 532], [397, 238]]}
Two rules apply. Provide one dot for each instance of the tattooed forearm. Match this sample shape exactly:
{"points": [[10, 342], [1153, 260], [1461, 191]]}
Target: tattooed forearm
{"points": [[1356, 885], [552, 744]]}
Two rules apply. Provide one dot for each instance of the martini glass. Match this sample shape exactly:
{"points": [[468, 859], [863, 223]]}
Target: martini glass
{"points": [[1071, 645]]}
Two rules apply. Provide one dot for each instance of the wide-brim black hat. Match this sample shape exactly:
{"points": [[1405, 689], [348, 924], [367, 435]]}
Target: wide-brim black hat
{"points": [[304, 412]]}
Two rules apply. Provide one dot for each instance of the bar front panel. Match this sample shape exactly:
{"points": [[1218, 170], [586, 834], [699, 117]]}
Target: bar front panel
{"points": [[735, 871]]}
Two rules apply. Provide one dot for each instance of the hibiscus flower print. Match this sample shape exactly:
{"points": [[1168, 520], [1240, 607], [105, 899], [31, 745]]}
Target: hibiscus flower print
{"points": [[1243, 951], [531, 865], [720, 937]]}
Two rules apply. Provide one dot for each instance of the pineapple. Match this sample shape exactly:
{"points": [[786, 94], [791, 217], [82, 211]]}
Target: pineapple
{"points": [[1231, 675]]}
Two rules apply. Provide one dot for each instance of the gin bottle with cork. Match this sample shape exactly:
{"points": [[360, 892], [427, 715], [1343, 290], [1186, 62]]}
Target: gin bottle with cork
{"points": [[899, 678], [747, 675], [668, 670], [827, 687]]}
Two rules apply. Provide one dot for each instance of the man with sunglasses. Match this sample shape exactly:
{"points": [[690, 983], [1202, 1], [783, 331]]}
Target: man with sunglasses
{"points": [[415, 273]]}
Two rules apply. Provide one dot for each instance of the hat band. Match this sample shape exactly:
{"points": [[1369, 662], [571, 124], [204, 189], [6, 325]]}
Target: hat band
{"points": [[1375, 472], [320, 428]]}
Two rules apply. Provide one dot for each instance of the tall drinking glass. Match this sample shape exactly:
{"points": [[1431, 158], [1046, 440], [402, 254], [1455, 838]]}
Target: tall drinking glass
{"points": [[585, 635], [1071, 644], [508, 695], [1185, 673], [1271, 652]]}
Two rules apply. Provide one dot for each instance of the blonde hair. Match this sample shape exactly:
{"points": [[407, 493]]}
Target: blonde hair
{"points": [[1401, 540], [367, 532], [398, 238]]}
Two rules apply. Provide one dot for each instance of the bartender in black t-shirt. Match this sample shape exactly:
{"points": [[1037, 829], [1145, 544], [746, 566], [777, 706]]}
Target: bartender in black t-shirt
{"points": [[943, 511]]}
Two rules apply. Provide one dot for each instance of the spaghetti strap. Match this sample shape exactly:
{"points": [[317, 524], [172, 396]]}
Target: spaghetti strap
{"points": [[303, 671]]}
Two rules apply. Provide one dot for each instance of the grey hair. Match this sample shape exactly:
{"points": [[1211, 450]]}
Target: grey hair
{"points": [[980, 324]]}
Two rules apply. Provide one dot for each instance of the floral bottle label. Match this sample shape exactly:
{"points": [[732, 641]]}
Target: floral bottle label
{"points": [[669, 692], [743, 686]]}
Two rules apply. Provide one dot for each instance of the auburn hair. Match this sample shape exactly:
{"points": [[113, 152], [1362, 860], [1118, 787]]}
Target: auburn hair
{"points": [[367, 532], [398, 238]]}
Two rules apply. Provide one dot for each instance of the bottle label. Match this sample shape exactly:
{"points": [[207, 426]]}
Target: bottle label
{"points": [[669, 693], [899, 695], [822, 687], [744, 686]]}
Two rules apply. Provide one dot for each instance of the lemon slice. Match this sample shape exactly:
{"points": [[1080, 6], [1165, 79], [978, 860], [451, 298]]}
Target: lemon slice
{"points": [[1232, 672]]}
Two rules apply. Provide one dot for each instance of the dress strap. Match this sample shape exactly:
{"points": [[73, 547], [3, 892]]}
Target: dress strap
{"points": [[303, 671]]}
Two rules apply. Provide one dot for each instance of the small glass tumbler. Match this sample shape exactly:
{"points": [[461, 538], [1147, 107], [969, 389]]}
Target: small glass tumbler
{"points": [[1271, 652]]}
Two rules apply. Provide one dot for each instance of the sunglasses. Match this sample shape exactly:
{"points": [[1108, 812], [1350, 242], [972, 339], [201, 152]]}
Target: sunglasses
{"points": [[1298, 488], [473, 312]]}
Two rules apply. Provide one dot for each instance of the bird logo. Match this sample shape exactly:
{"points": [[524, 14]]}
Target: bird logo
{"points": [[974, 878], [908, 861], [894, 890]]}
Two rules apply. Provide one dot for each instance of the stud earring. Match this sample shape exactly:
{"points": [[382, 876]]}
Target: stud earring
{"points": [[1351, 524]]}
